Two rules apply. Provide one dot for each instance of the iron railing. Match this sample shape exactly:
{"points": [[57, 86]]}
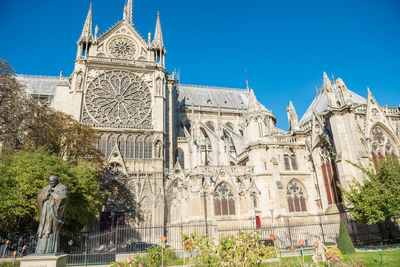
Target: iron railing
{"points": [[101, 247]]}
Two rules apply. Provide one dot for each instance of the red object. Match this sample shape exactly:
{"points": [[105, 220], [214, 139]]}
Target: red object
{"points": [[272, 237], [140, 264], [292, 247], [7, 242], [15, 253], [301, 242], [258, 222], [163, 238], [24, 247], [128, 260], [186, 244]]}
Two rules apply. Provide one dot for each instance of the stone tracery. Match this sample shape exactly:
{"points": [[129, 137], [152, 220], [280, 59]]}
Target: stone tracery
{"points": [[118, 97]]}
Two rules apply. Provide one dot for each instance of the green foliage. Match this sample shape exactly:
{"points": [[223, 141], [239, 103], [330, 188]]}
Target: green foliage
{"points": [[243, 249], [378, 199], [24, 173], [154, 256], [9, 264], [344, 243]]}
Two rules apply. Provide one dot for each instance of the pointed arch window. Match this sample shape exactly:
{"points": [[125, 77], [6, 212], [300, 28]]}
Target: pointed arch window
{"points": [[110, 144], [224, 202], [122, 145], [139, 148], [148, 148], [296, 197], [381, 144]]}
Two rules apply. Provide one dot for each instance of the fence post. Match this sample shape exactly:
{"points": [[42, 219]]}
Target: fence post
{"points": [[86, 235], [116, 238], [322, 229], [290, 233]]}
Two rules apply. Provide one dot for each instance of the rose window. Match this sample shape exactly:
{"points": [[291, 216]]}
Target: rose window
{"points": [[118, 97], [122, 47]]}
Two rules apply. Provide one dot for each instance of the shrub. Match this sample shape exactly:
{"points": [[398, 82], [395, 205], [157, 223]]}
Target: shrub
{"points": [[344, 242]]}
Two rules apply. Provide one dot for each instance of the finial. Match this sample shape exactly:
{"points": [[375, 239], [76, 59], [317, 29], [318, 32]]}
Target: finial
{"points": [[149, 37], [61, 74], [96, 32]]}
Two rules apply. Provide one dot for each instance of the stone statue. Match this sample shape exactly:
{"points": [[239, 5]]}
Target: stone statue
{"points": [[52, 201], [292, 117]]}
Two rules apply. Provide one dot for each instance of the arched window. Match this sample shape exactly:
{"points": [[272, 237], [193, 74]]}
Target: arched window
{"points": [[102, 145], [290, 162], [330, 174], [296, 197], [293, 162], [381, 144], [139, 148], [180, 157], [148, 148], [110, 144], [130, 145], [224, 202], [122, 145], [287, 162]]}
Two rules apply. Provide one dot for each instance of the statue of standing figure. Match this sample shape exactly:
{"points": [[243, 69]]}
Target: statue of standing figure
{"points": [[52, 201]]}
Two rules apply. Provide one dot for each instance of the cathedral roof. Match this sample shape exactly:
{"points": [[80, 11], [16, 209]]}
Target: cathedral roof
{"points": [[208, 96], [40, 85], [320, 103]]}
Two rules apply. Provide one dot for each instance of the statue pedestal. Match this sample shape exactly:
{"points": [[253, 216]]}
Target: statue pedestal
{"points": [[58, 260]]}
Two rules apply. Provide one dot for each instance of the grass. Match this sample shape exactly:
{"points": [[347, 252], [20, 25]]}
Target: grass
{"points": [[370, 259]]}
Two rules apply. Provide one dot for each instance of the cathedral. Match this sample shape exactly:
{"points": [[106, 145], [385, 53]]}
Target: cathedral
{"points": [[187, 154]]}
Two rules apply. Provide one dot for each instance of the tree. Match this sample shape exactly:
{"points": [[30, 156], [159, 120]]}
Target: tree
{"points": [[37, 141], [24, 173], [344, 242], [11, 106], [378, 198]]}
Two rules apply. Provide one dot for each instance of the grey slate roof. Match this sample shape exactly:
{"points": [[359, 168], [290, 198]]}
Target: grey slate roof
{"points": [[207, 96], [319, 104], [40, 85]]}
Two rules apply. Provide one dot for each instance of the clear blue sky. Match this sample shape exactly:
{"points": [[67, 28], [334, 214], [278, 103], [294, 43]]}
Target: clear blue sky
{"points": [[284, 45]]}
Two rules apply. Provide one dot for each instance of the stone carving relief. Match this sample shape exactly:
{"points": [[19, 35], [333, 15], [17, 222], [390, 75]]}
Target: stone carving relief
{"points": [[118, 97]]}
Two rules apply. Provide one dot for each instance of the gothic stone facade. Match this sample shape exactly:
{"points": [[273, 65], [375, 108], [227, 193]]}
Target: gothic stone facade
{"points": [[189, 154]]}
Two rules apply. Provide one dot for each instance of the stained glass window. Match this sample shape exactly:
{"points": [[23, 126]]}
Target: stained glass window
{"points": [[224, 202], [296, 197]]}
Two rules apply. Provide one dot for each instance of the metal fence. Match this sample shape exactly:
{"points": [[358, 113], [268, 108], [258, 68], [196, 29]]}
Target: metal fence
{"points": [[88, 248]]}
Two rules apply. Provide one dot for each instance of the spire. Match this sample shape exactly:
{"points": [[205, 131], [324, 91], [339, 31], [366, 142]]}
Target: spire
{"points": [[87, 35], [327, 82], [128, 12], [158, 38]]}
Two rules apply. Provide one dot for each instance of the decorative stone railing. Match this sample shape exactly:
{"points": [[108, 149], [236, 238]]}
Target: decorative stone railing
{"points": [[214, 170], [281, 139], [391, 110], [121, 61], [182, 139]]}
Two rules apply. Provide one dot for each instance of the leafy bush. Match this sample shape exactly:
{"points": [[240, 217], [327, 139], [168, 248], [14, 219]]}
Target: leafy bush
{"points": [[233, 250], [344, 242]]}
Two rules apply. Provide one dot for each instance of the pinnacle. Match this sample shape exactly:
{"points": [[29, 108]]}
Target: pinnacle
{"points": [[87, 35], [158, 38]]}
